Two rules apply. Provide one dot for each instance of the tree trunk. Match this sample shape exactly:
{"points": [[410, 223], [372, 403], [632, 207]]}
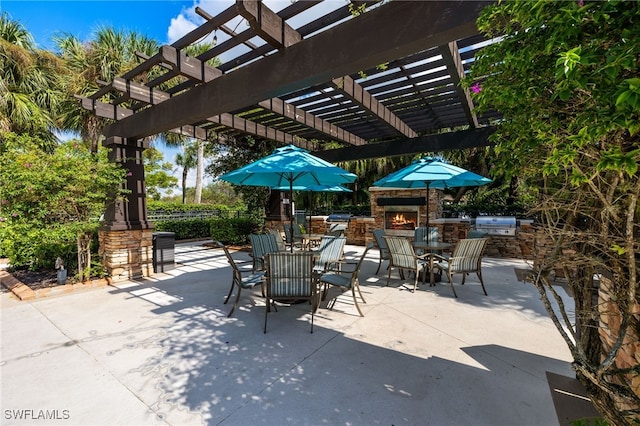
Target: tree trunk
{"points": [[185, 171], [199, 172], [84, 255]]}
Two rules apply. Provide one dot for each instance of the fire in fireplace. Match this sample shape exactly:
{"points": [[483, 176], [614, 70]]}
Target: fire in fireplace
{"points": [[400, 218]]}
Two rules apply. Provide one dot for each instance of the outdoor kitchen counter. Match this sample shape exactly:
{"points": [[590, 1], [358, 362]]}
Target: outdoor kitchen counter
{"points": [[453, 229]]}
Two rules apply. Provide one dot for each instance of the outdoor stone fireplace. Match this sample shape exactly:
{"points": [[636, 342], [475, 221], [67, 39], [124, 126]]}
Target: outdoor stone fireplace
{"points": [[401, 220], [399, 211]]}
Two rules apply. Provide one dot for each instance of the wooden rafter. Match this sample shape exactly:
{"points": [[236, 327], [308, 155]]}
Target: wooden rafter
{"points": [[358, 43], [359, 95], [154, 96], [409, 146], [451, 57], [268, 24], [296, 114], [277, 33]]}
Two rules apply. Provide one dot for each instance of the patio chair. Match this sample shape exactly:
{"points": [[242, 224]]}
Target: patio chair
{"points": [[420, 234], [328, 254], [239, 280], [277, 235], [382, 247], [403, 257], [261, 244], [290, 278], [293, 238], [466, 257], [346, 281]]}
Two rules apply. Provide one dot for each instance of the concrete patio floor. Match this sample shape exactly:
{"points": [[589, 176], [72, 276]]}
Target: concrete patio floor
{"points": [[162, 351]]}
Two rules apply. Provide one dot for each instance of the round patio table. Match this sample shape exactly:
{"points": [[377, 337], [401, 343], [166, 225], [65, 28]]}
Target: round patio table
{"points": [[433, 246], [309, 240]]}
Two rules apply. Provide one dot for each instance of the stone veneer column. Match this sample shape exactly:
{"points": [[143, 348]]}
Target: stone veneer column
{"points": [[126, 240]]}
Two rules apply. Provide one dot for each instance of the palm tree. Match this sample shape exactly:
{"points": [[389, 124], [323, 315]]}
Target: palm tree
{"points": [[29, 83], [186, 160], [109, 54]]}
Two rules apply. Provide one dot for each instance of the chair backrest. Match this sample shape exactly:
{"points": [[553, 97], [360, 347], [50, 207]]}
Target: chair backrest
{"points": [[420, 233], [262, 244], [467, 255], [236, 270], [331, 249], [290, 274], [278, 237], [401, 252], [356, 271], [378, 235], [291, 237]]}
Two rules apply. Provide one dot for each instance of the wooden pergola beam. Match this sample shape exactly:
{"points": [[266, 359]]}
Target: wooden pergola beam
{"points": [[290, 111], [362, 97], [256, 129], [104, 110], [154, 96], [453, 61], [206, 28], [463, 139], [267, 24], [358, 43]]}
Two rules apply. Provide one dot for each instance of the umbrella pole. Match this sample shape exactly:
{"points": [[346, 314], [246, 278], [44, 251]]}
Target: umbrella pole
{"points": [[291, 213], [428, 233], [310, 211]]}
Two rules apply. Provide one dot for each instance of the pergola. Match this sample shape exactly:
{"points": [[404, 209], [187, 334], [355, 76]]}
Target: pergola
{"points": [[382, 81]]}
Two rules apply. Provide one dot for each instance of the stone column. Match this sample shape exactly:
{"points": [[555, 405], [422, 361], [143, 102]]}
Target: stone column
{"points": [[126, 236]]}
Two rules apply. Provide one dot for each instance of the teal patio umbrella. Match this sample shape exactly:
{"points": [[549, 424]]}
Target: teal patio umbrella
{"points": [[429, 173], [290, 166]]}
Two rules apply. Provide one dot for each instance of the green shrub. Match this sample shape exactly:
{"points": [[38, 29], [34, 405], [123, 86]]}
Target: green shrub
{"points": [[228, 231], [36, 248], [234, 231], [185, 229]]}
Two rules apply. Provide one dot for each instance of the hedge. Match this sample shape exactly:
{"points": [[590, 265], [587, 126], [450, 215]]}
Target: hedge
{"points": [[227, 231]]}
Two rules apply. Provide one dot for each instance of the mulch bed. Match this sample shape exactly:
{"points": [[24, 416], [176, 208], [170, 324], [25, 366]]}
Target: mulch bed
{"points": [[36, 280]]}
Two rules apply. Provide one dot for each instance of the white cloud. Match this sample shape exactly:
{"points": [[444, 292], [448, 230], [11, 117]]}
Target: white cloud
{"points": [[188, 19], [179, 26]]}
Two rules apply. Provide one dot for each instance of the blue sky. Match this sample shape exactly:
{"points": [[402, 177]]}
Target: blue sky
{"points": [[162, 20]]}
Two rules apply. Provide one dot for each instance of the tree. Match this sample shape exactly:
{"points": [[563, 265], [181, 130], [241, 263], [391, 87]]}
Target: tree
{"points": [[187, 160], [45, 197], [157, 173], [565, 77], [30, 91], [109, 54], [235, 154]]}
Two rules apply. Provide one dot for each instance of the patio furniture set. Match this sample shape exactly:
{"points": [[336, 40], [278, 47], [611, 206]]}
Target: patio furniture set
{"points": [[286, 274], [303, 275], [307, 273]]}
